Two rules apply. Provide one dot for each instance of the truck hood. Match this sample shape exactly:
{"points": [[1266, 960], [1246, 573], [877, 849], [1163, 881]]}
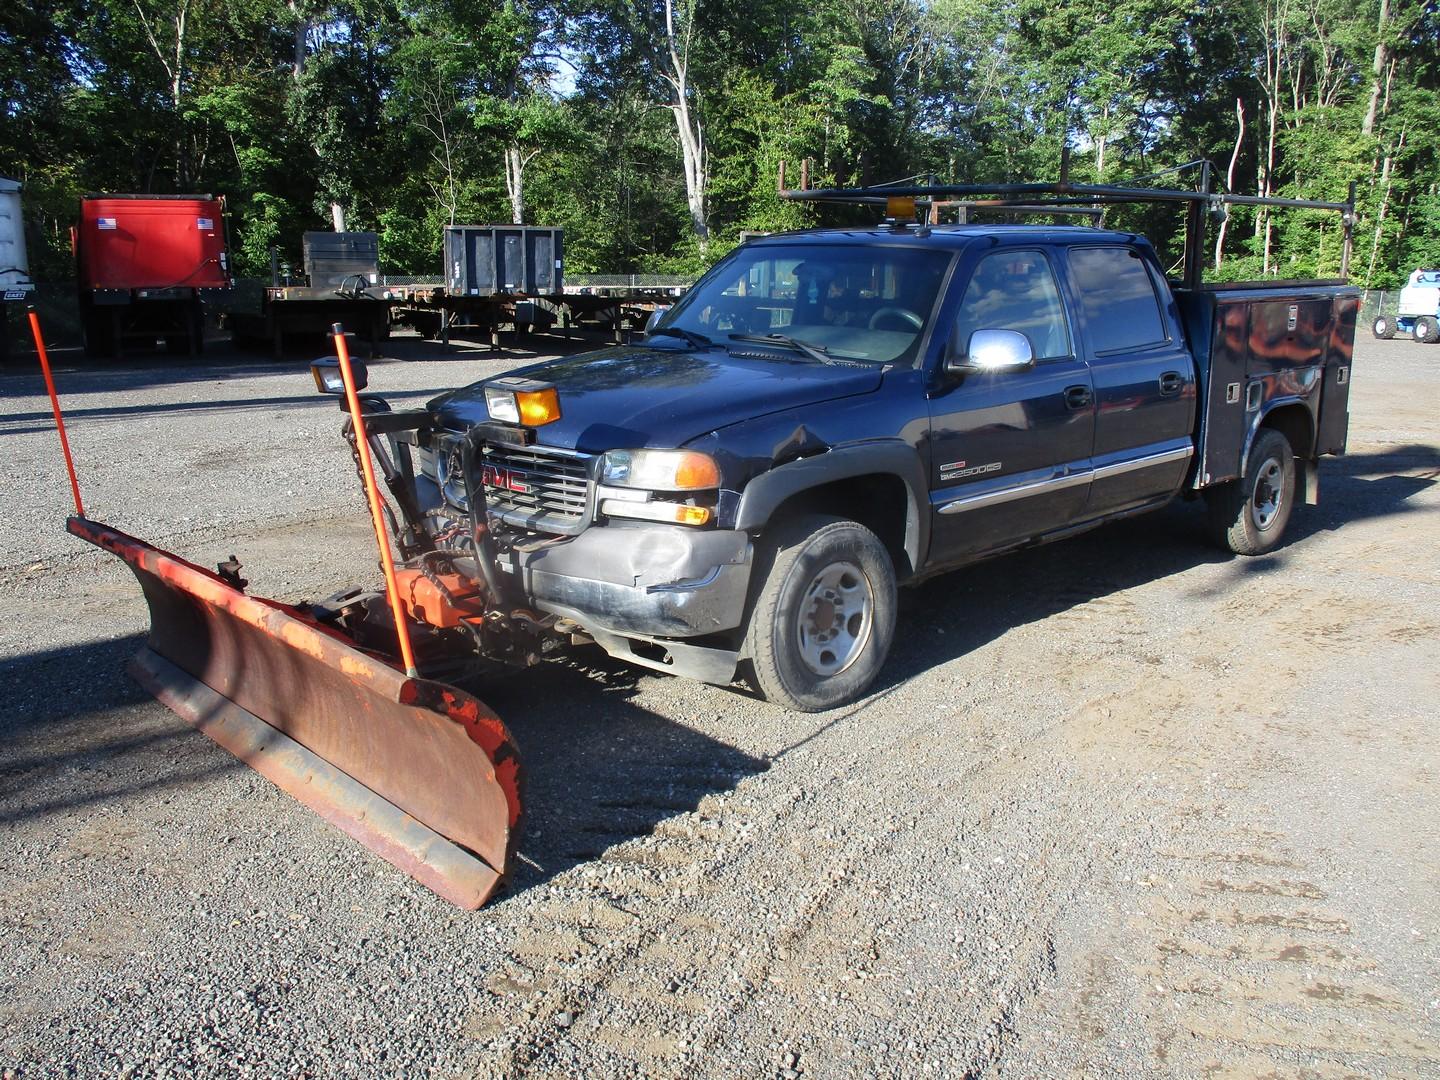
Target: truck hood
{"points": [[631, 397]]}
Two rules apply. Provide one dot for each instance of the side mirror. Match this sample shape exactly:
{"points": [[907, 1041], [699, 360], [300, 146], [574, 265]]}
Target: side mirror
{"points": [[328, 380], [991, 350], [655, 317]]}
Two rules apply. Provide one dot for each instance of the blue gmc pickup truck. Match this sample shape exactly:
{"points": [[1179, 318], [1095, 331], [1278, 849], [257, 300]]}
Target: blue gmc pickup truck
{"points": [[828, 415]]}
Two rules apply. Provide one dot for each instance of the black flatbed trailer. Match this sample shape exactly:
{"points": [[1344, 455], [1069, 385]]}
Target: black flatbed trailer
{"points": [[288, 311], [435, 311]]}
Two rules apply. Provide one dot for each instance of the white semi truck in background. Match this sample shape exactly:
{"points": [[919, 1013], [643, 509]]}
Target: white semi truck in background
{"points": [[15, 283], [1419, 314]]}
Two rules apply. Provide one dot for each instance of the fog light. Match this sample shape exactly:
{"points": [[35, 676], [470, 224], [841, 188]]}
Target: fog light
{"points": [[668, 512]]}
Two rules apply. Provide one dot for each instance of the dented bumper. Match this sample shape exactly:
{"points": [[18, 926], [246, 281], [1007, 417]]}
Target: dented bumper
{"points": [[652, 581]]}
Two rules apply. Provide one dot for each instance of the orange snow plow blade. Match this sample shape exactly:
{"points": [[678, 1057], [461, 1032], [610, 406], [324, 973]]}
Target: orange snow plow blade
{"points": [[423, 774]]}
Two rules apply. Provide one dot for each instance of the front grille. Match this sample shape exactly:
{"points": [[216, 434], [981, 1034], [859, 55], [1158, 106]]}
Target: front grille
{"points": [[538, 487]]}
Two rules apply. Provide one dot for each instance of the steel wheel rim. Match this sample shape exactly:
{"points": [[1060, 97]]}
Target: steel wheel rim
{"points": [[836, 616], [1269, 494]]}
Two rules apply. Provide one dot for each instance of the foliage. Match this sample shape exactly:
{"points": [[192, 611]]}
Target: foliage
{"points": [[653, 131]]}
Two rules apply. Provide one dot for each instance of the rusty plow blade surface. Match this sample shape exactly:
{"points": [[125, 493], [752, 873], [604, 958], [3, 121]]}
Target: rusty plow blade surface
{"points": [[423, 774]]}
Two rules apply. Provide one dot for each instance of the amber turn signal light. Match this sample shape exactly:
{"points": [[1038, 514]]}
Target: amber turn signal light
{"points": [[538, 406]]}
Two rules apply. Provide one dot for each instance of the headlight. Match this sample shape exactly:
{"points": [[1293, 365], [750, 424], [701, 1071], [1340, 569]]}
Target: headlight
{"points": [[522, 401], [660, 470]]}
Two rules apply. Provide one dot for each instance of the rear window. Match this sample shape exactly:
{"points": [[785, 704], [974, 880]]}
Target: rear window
{"points": [[1118, 298]]}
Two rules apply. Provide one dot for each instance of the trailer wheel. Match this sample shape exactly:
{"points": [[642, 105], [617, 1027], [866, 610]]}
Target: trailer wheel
{"points": [[824, 616], [1249, 515], [1427, 330], [1384, 328]]}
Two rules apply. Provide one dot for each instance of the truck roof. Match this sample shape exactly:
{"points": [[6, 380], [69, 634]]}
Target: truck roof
{"points": [[955, 236]]}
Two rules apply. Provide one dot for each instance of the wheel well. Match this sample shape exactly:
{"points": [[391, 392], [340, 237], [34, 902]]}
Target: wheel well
{"points": [[1293, 421], [879, 501]]}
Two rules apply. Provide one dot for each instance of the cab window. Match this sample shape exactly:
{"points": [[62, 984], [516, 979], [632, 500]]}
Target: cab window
{"points": [[1118, 298], [1015, 290]]}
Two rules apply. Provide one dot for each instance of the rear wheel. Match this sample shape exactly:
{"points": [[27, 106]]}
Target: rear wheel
{"points": [[1249, 515], [1384, 328], [1427, 330], [824, 616]]}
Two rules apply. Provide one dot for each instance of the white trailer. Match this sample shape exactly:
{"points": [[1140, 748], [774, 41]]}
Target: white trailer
{"points": [[15, 283], [14, 267]]}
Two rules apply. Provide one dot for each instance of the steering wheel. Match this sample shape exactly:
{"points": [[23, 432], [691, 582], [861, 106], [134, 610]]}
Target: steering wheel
{"points": [[900, 313]]}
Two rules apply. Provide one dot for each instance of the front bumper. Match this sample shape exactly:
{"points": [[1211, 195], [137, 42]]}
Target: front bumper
{"points": [[652, 581]]}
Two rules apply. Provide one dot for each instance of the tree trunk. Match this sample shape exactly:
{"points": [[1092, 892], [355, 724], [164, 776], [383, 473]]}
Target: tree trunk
{"points": [[1384, 206], [515, 183], [692, 135], [1382, 59], [1100, 144], [1230, 178], [337, 216]]}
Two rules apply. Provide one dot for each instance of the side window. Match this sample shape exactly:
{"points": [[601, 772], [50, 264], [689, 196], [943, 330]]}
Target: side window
{"points": [[1015, 290], [1118, 298]]}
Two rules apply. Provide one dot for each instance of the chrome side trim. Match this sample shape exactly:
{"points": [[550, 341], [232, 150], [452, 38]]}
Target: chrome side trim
{"points": [[1164, 457], [1060, 483], [1019, 491]]}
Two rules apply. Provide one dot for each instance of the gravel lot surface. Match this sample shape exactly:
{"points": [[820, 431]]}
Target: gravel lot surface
{"points": [[1119, 806]]}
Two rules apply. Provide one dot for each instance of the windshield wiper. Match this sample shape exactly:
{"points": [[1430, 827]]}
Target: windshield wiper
{"points": [[698, 341], [814, 352]]}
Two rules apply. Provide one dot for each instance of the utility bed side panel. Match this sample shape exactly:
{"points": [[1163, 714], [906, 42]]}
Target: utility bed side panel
{"points": [[1333, 429], [1261, 347], [1217, 335]]}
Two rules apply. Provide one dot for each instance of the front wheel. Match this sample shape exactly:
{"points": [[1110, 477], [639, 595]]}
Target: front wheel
{"points": [[1427, 330], [1383, 328], [1249, 515], [824, 616]]}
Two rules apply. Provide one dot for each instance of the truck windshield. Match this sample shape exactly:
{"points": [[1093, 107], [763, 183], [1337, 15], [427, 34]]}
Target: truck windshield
{"points": [[851, 302]]}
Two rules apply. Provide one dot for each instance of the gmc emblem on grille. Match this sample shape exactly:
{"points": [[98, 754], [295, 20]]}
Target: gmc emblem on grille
{"points": [[505, 479]]}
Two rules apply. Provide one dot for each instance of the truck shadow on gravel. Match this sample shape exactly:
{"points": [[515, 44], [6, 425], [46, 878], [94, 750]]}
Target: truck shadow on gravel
{"points": [[949, 616], [72, 737], [77, 735], [601, 770]]}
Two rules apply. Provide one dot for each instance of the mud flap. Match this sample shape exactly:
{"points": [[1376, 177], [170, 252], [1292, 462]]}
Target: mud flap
{"points": [[423, 774]]}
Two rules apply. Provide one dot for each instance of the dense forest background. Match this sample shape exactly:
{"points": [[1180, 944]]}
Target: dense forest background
{"points": [[651, 131]]}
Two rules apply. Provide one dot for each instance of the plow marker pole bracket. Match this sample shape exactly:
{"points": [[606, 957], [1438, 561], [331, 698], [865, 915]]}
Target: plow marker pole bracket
{"points": [[55, 407], [372, 495]]}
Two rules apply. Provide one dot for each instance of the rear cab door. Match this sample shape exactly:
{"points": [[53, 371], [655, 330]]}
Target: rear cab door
{"points": [[1143, 372]]}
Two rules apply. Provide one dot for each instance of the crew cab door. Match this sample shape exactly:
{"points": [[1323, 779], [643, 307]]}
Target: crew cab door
{"points": [[1010, 450], [1144, 377]]}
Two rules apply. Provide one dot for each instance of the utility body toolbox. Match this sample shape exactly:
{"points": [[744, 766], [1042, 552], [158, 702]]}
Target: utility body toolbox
{"points": [[1265, 345]]}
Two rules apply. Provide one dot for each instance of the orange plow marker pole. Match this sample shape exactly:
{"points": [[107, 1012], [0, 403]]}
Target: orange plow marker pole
{"points": [[55, 406], [372, 493]]}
